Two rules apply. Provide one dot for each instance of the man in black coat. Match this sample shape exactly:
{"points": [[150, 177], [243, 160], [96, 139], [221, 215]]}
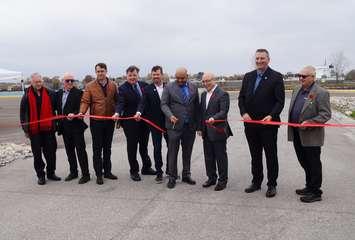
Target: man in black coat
{"points": [[68, 103], [214, 106], [262, 97], [129, 96], [150, 105], [38, 103]]}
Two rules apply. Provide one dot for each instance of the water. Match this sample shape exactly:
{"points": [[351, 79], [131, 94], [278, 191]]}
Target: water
{"points": [[11, 94]]}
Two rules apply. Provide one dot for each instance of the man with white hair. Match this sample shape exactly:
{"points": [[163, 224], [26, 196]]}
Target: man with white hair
{"points": [[310, 103], [38, 104], [72, 129]]}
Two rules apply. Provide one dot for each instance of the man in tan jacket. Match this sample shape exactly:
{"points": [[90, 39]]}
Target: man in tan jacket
{"points": [[100, 96]]}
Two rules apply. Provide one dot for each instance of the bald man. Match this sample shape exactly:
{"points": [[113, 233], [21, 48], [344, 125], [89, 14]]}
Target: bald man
{"points": [[214, 106], [72, 130], [180, 105], [310, 103]]}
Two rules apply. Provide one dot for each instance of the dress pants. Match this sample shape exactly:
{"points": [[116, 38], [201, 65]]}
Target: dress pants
{"points": [[102, 133], [216, 153], [309, 158], [75, 142], [157, 138], [137, 133], [47, 143], [259, 138], [186, 137]]}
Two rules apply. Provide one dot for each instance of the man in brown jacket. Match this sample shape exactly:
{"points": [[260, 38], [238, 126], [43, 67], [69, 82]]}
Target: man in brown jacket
{"points": [[100, 96]]}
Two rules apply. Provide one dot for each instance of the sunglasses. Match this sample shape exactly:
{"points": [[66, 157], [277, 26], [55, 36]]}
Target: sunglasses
{"points": [[301, 76], [69, 80]]}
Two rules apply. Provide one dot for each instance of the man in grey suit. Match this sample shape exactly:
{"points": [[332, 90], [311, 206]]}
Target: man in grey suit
{"points": [[309, 104], [180, 105], [214, 106]]}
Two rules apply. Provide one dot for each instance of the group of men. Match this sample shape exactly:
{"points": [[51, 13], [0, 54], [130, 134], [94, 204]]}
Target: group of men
{"points": [[177, 108]]}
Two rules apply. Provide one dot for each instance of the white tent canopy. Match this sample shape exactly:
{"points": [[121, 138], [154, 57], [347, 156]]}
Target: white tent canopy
{"points": [[7, 76]]}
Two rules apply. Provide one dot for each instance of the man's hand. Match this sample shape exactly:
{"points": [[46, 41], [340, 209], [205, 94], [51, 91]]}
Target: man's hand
{"points": [[305, 122], [80, 115], [173, 120], [210, 121], [115, 116], [268, 118], [246, 116], [70, 116], [137, 116]]}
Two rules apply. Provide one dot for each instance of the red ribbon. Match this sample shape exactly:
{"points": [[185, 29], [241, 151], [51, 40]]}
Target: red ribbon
{"points": [[97, 117]]}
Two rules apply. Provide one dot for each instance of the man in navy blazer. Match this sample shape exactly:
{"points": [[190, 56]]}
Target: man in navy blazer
{"points": [[137, 132], [214, 106], [262, 97], [68, 103], [150, 106]]}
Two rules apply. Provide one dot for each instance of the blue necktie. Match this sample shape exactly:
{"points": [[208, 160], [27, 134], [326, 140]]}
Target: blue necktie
{"points": [[185, 93], [138, 92], [258, 80]]}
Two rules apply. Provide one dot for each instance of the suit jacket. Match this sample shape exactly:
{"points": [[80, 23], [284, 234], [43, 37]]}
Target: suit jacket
{"points": [[128, 101], [218, 107], [172, 104], [72, 105], [150, 105], [316, 109], [268, 99]]}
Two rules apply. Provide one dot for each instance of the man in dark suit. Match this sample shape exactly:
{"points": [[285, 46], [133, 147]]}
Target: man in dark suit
{"points": [[262, 97], [136, 131], [180, 104], [150, 105], [214, 106], [68, 103], [310, 103]]}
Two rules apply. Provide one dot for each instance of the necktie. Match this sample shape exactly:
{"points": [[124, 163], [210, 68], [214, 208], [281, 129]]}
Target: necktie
{"points": [[185, 93], [136, 90], [257, 82]]}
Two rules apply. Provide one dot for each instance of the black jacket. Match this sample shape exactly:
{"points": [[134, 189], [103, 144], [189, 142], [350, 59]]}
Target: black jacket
{"points": [[72, 105], [269, 97], [150, 106], [25, 108], [218, 107]]}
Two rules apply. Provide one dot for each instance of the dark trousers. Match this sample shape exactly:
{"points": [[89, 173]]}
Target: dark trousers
{"points": [[137, 133], [186, 137], [309, 158], [216, 153], [47, 143], [157, 138], [75, 142], [102, 133], [259, 138]]}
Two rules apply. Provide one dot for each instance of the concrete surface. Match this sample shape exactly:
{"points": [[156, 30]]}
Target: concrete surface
{"points": [[125, 209]]}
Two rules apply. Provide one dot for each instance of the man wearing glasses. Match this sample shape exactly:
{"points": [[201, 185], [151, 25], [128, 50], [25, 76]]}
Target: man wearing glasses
{"points": [[72, 129], [100, 96], [310, 103]]}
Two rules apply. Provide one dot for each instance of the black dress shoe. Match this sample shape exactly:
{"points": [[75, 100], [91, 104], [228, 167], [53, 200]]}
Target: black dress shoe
{"points": [[171, 184], [110, 176], [70, 177], [220, 186], [84, 179], [271, 192], [252, 188], [188, 180], [209, 182], [304, 191], [148, 171], [53, 177], [135, 177], [311, 198], [41, 181], [99, 180], [159, 178]]}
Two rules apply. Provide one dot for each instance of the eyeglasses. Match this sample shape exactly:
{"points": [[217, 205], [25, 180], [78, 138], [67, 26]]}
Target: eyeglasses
{"points": [[69, 80], [301, 76]]}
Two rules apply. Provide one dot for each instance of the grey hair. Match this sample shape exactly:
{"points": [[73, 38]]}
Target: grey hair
{"points": [[36, 74]]}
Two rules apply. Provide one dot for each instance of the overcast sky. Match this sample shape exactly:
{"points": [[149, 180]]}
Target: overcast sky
{"points": [[53, 37]]}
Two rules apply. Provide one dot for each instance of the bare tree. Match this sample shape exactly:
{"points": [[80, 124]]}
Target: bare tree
{"points": [[340, 63]]}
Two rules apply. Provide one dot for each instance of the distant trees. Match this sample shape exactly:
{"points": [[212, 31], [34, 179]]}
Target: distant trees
{"points": [[340, 63], [350, 75]]}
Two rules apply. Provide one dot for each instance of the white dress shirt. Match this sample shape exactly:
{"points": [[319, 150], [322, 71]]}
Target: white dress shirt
{"points": [[159, 89], [209, 95]]}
